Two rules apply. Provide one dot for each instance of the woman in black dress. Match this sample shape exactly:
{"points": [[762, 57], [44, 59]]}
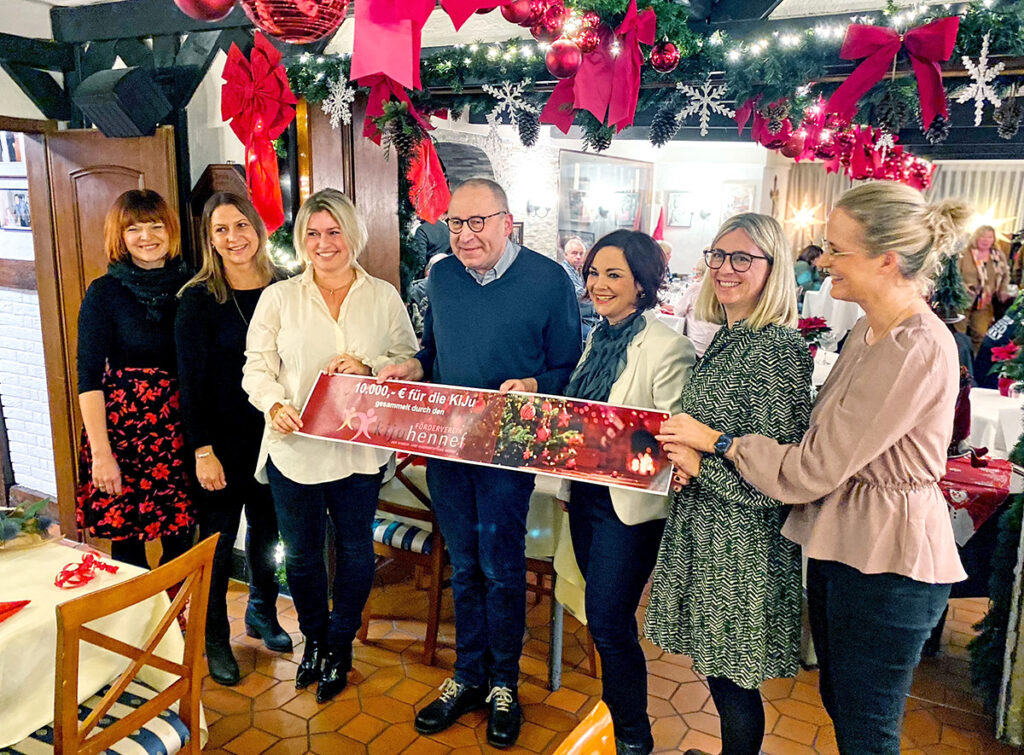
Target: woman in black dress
{"points": [[221, 426], [133, 480]]}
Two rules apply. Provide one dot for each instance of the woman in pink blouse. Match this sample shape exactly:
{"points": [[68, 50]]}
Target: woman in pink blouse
{"points": [[871, 518]]}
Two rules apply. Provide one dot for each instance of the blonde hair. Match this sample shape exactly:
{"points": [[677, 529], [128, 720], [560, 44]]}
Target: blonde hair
{"points": [[777, 304], [972, 243], [211, 273], [139, 206], [339, 207], [894, 217]]}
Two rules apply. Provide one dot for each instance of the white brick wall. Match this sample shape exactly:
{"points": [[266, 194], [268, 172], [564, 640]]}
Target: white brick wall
{"points": [[23, 391]]}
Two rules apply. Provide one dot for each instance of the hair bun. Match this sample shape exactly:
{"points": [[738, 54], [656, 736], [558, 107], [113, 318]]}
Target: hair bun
{"points": [[948, 221]]}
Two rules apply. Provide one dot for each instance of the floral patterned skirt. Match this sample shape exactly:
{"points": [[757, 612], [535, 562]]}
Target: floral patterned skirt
{"points": [[145, 432]]}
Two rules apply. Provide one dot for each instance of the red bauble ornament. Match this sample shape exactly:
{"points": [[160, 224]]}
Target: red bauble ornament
{"points": [[527, 412], [590, 20], [563, 59], [205, 10], [296, 21], [537, 10], [554, 19], [517, 11], [588, 40], [664, 56], [794, 145]]}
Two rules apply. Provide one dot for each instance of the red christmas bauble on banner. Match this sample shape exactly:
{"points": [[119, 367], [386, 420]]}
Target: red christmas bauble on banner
{"points": [[563, 59], [554, 19], [205, 10], [794, 145], [664, 57], [296, 21], [588, 40], [537, 10], [517, 11], [590, 20]]}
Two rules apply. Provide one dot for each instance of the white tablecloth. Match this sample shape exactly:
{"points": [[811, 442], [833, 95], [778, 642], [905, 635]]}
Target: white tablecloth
{"points": [[28, 640], [996, 421], [840, 315]]}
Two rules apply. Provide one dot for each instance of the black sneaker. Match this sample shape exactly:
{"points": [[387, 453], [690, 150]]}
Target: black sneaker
{"points": [[504, 718], [455, 700]]}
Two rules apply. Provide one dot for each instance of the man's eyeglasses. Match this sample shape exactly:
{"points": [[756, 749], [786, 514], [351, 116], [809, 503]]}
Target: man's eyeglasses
{"points": [[475, 223], [740, 261]]}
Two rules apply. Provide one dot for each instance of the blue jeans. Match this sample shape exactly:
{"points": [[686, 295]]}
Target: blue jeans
{"points": [[302, 512], [868, 631], [482, 515], [616, 561]]}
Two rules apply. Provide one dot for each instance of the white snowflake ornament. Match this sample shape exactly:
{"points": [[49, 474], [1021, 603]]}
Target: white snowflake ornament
{"points": [[338, 104], [980, 89], [703, 101], [510, 102]]}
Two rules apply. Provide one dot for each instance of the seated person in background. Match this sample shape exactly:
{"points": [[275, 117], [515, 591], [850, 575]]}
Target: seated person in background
{"points": [[808, 276], [1001, 333], [418, 303], [430, 239], [575, 252], [698, 331]]}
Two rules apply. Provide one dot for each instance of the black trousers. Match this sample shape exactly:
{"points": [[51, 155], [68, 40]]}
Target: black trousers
{"points": [[616, 561], [220, 511]]}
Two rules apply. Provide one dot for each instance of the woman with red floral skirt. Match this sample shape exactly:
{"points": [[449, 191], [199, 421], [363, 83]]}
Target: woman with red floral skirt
{"points": [[133, 478]]}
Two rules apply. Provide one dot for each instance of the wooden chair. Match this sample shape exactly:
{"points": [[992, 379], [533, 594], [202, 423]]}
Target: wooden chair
{"points": [[421, 547], [70, 737]]}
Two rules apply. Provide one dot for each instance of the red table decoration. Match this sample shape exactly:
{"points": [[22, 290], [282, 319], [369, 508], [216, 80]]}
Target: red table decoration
{"points": [[76, 575], [260, 104], [11, 607], [979, 491]]}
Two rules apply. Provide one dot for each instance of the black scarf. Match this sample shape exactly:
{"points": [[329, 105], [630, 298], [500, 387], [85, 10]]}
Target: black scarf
{"points": [[593, 379], [155, 289]]}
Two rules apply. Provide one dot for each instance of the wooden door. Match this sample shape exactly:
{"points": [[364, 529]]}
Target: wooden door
{"points": [[74, 177]]}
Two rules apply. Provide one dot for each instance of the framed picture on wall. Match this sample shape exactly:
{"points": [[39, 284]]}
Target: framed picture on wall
{"points": [[628, 206], [11, 147], [517, 233], [737, 197], [679, 208], [14, 210]]}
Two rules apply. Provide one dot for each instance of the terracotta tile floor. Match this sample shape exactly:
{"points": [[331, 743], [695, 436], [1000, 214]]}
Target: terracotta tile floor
{"points": [[374, 714]]}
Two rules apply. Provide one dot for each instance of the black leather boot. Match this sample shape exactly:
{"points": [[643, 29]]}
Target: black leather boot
{"points": [[334, 673], [505, 717], [309, 667], [629, 748], [263, 624], [455, 700], [222, 663]]}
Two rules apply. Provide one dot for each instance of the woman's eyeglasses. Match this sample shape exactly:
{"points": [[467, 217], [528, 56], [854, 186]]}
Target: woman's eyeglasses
{"points": [[828, 249], [739, 261], [475, 223]]}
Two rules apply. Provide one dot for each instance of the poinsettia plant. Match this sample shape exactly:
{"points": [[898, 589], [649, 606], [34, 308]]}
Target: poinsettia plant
{"points": [[814, 330], [1003, 359]]}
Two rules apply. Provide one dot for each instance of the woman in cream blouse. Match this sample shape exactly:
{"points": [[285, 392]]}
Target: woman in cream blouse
{"points": [[872, 520], [333, 317]]}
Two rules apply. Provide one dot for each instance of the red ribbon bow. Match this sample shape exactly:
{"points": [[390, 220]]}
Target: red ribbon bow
{"points": [[76, 575], [461, 10], [381, 89], [428, 191], [387, 39], [927, 46], [634, 29], [259, 102]]}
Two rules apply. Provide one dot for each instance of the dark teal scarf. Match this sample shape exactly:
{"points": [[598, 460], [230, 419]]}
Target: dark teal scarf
{"points": [[593, 379], [155, 289]]}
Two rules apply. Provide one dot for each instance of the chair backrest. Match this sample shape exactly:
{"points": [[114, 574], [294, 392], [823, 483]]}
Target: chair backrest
{"points": [[192, 572]]}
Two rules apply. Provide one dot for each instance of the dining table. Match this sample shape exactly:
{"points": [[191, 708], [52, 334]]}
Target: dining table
{"points": [[28, 638], [997, 421], [840, 315]]}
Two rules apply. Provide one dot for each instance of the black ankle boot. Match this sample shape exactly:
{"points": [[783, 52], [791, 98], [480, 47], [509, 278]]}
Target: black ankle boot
{"points": [[309, 667], [222, 663], [334, 673], [264, 625]]}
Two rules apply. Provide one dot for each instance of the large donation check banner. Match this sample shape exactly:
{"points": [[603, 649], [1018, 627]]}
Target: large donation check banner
{"points": [[583, 440]]}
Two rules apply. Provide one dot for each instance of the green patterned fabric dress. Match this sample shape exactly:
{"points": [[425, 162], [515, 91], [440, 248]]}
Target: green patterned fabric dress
{"points": [[726, 586]]}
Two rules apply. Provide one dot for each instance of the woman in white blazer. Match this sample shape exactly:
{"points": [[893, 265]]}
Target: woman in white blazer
{"points": [[631, 359]]}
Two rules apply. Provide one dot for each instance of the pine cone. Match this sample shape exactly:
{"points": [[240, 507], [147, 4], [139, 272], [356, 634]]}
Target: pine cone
{"points": [[529, 127], [891, 112], [598, 139], [402, 133], [938, 131], [664, 125], [775, 113], [1008, 116]]}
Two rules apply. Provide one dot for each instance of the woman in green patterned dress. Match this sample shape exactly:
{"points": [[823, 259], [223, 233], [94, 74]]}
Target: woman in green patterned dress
{"points": [[727, 584]]}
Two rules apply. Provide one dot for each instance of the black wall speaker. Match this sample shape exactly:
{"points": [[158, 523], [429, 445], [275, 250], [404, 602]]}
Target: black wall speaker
{"points": [[122, 102]]}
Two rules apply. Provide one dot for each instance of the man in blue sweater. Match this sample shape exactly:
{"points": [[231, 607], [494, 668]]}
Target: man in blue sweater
{"points": [[501, 317]]}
